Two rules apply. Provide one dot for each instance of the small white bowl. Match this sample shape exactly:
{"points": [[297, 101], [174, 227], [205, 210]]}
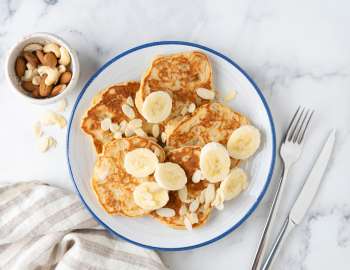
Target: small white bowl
{"points": [[42, 38]]}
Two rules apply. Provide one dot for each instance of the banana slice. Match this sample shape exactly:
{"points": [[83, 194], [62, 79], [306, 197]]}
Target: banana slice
{"points": [[243, 142], [170, 176], [214, 162], [157, 107], [150, 196], [140, 162], [233, 184]]}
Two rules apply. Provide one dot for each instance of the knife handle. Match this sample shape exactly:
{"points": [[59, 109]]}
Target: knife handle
{"points": [[287, 227]]}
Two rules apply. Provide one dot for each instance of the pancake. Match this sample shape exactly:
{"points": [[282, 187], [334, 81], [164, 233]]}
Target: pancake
{"points": [[188, 158], [179, 75], [212, 122], [108, 104], [113, 186]]}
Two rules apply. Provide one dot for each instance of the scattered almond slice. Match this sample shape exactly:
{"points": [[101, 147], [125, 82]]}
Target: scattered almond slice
{"points": [[123, 124], [52, 118], [37, 130], [140, 132], [194, 206], [166, 212], [205, 93], [183, 195], [183, 111], [135, 123], [202, 197], [231, 95], [52, 142], [183, 210], [155, 131], [130, 102], [128, 111], [46, 143], [209, 194], [114, 127], [192, 217], [129, 132], [188, 224], [197, 176], [105, 124], [61, 105], [191, 108], [163, 137], [117, 135]]}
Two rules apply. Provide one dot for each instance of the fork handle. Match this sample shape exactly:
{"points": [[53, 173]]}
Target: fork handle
{"points": [[287, 227], [260, 254]]}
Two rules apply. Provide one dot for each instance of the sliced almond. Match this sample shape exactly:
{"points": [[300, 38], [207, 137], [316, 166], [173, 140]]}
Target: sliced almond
{"points": [[188, 224], [114, 127], [155, 131], [197, 176], [44, 144], [191, 108], [194, 206], [37, 130], [192, 217], [117, 135], [135, 123], [129, 132], [130, 102], [202, 197], [209, 194], [183, 195], [163, 137], [183, 111], [140, 132], [183, 210], [106, 123], [123, 124], [230, 96], [205, 93], [128, 111], [166, 212]]}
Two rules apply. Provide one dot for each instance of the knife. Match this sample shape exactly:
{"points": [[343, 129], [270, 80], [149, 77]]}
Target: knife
{"points": [[304, 199]]}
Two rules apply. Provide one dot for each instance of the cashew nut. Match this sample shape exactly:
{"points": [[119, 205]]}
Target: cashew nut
{"points": [[33, 47], [30, 66], [29, 74], [52, 47], [52, 74], [65, 57], [61, 69]]}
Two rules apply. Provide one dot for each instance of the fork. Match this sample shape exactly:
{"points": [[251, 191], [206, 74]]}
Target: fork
{"points": [[290, 152]]}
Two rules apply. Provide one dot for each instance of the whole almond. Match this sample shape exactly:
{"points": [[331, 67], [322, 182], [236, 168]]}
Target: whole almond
{"points": [[20, 66], [28, 86], [31, 58], [58, 89], [65, 77], [50, 60], [40, 55], [44, 90]]}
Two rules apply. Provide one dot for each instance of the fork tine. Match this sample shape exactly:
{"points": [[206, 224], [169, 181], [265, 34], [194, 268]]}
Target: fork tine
{"points": [[292, 136], [305, 128], [300, 128], [291, 124]]}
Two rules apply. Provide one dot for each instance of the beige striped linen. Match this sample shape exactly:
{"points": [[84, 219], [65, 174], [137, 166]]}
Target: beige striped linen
{"points": [[45, 227]]}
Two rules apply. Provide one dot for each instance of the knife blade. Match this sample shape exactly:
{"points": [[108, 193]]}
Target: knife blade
{"points": [[312, 182]]}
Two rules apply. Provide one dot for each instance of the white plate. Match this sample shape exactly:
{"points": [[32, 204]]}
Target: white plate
{"points": [[145, 231]]}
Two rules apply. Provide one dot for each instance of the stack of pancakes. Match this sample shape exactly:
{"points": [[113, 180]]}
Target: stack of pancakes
{"points": [[178, 139]]}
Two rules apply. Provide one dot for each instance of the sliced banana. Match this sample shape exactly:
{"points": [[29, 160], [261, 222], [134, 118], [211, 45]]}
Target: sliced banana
{"points": [[233, 184], [157, 107], [170, 176], [140, 162], [243, 142], [214, 162], [150, 196]]}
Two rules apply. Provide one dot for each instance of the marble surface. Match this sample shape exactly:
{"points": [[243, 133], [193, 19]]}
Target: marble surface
{"points": [[298, 52]]}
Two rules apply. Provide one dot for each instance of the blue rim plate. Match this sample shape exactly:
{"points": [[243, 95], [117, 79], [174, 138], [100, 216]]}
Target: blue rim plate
{"points": [[271, 131]]}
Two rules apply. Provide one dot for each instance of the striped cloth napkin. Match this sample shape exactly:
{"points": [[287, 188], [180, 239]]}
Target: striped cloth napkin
{"points": [[45, 227]]}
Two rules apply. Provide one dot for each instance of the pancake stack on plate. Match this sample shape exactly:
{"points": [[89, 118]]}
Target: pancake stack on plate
{"points": [[166, 148]]}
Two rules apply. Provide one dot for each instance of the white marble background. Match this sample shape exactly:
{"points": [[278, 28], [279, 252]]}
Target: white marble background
{"points": [[298, 52]]}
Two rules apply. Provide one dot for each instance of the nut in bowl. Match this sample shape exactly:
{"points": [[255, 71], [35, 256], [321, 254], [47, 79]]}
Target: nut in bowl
{"points": [[42, 68]]}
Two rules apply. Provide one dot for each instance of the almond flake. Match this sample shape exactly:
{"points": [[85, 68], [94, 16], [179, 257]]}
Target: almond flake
{"points": [[135, 123], [166, 212], [114, 127], [197, 176], [191, 108], [52, 142], [105, 124], [183, 210], [123, 124], [44, 144], [117, 135], [52, 118], [188, 224], [209, 194], [202, 197], [231, 95], [130, 102], [140, 132], [183, 111], [163, 137], [183, 194], [155, 131], [205, 93], [192, 217], [194, 206], [129, 132], [128, 111], [37, 130]]}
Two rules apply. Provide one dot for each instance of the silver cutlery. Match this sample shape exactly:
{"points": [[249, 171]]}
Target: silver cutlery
{"points": [[304, 199], [290, 152]]}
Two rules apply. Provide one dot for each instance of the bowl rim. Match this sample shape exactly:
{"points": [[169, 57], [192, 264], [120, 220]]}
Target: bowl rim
{"points": [[10, 59], [271, 124]]}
